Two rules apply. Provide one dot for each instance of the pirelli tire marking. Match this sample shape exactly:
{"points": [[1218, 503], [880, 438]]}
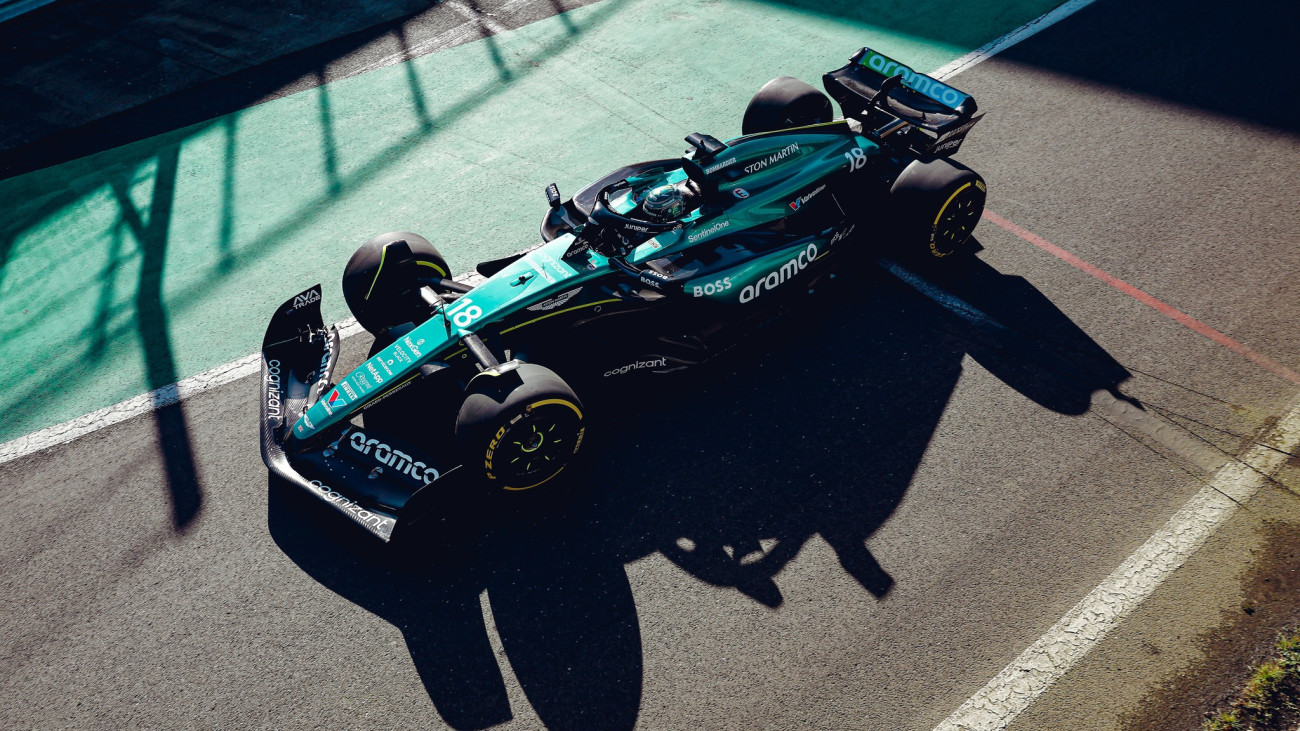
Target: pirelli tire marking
{"points": [[935, 233], [500, 435]]}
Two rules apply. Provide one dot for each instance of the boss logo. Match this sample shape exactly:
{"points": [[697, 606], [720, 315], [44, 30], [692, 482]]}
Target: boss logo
{"points": [[717, 286]]}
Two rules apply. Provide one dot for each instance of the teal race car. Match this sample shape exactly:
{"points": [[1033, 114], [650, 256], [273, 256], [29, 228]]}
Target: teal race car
{"points": [[654, 268]]}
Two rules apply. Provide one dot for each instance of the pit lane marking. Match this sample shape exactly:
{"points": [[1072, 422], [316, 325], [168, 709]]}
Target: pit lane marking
{"points": [[1163, 308], [1027, 677]]}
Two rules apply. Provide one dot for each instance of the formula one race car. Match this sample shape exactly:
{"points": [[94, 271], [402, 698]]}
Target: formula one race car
{"points": [[653, 268]]}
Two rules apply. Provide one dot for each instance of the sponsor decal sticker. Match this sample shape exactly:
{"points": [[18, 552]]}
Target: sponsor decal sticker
{"points": [[323, 368], [362, 382], [715, 167], [654, 279], [913, 80], [274, 408], [361, 514], [394, 458], [554, 302], [842, 234], [332, 401], [553, 265], [775, 157], [740, 193], [306, 298], [652, 363], [414, 346], [716, 227], [348, 390], [798, 202], [717, 286], [778, 277]]}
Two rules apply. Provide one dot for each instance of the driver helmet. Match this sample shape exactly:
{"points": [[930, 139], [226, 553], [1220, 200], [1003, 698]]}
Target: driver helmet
{"points": [[664, 203]]}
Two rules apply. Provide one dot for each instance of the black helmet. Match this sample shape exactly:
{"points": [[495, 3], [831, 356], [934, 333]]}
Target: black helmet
{"points": [[664, 203]]}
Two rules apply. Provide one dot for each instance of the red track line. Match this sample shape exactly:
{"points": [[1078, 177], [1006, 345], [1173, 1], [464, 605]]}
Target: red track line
{"points": [[1146, 299]]}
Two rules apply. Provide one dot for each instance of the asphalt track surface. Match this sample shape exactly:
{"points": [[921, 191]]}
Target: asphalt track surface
{"points": [[854, 529]]}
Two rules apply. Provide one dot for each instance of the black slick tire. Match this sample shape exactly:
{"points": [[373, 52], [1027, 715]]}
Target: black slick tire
{"points": [[785, 102], [381, 280], [519, 427], [937, 205]]}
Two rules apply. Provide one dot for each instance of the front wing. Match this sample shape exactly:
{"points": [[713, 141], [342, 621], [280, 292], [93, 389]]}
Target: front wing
{"points": [[371, 478]]}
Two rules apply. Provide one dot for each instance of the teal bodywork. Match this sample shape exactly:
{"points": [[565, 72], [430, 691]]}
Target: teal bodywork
{"points": [[762, 179]]}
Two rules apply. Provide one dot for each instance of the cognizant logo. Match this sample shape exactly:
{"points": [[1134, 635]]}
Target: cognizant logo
{"points": [[776, 278], [653, 363], [914, 80], [273, 406]]}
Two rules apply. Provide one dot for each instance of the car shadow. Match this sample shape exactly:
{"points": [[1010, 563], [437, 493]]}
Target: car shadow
{"points": [[814, 426]]}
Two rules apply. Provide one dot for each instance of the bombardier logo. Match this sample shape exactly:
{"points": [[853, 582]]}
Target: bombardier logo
{"points": [[555, 301], [776, 278], [389, 457], [720, 165], [306, 298]]}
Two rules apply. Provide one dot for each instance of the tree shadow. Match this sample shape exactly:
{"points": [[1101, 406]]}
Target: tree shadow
{"points": [[155, 342], [231, 260], [814, 426]]}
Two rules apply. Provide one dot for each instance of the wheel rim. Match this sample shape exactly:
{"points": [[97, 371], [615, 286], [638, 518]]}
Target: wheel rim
{"points": [[956, 219], [535, 446]]}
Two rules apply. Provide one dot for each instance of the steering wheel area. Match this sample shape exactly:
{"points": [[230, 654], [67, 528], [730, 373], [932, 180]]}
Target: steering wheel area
{"points": [[614, 234]]}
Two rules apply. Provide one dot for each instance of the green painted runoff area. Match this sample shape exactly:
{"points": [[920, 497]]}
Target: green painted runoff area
{"points": [[130, 269]]}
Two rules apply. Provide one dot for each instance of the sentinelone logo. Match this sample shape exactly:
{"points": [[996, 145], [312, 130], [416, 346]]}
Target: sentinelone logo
{"points": [[918, 81], [708, 231]]}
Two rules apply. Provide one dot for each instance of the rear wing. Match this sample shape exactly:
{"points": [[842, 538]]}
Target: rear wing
{"points": [[883, 92]]}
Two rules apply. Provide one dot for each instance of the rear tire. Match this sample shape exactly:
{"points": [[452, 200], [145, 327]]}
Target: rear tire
{"points": [[518, 429], [381, 280], [785, 102], [938, 204]]}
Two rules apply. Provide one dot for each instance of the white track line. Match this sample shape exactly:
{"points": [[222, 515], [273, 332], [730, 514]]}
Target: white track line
{"points": [[142, 404], [223, 374], [1011, 691], [986, 52]]}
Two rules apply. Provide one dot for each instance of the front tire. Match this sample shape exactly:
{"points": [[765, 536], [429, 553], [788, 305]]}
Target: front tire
{"points": [[381, 280], [785, 102], [938, 204], [519, 426]]}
